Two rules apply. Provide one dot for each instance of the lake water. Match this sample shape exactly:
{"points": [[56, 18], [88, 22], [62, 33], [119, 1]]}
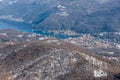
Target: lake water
{"points": [[15, 25], [24, 27]]}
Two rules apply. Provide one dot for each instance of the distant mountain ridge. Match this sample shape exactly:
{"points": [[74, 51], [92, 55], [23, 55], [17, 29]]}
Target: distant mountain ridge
{"points": [[82, 16]]}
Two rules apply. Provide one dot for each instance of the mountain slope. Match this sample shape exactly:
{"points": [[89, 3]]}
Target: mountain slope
{"points": [[52, 61], [82, 16]]}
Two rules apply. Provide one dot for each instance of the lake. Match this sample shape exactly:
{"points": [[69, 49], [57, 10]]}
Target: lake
{"points": [[24, 27]]}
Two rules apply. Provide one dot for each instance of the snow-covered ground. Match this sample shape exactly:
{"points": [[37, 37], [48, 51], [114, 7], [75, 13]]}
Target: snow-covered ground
{"points": [[99, 73]]}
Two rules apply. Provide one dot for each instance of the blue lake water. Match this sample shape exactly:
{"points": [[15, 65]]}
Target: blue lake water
{"points": [[24, 27], [14, 25]]}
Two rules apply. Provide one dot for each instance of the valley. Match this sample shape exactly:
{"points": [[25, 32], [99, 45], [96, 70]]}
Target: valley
{"points": [[59, 40], [31, 56]]}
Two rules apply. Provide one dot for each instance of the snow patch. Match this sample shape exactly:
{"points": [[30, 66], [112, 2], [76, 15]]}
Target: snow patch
{"points": [[11, 18], [32, 35], [63, 11], [99, 73], [111, 53], [41, 38], [25, 46], [12, 2], [3, 34], [20, 36], [62, 14], [60, 6], [51, 41], [118, 46]]}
